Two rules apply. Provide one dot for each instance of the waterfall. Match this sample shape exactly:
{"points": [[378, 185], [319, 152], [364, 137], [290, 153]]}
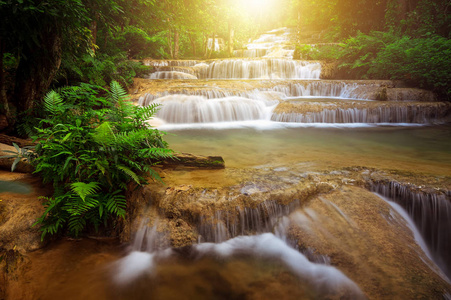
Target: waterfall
{"points": [[170, 63], [431, 213], [198, 109], [252, 53], [390, 114], [223, 225], [138, 268], [171, 75], [275, 68]]}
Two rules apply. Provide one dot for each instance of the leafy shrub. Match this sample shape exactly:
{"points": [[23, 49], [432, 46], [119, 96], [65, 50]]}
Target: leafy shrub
{"points": [[422, 61], [135, 43], [90, 147], [326, 52], [358, 53], [101, 69]]}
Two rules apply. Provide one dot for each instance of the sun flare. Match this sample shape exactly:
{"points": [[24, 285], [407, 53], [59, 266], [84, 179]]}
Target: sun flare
{"points": [[257, 6]]}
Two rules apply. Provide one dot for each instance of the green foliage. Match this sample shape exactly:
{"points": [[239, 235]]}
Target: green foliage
{"points": [[135, 42], [326, 52], [100, 70], [358, 53], [422, 61], [90, 148]]}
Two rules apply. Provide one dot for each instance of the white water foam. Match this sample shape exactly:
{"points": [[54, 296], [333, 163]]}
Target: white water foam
{"points": [[416, 234], [325, 279], [270, 125]]}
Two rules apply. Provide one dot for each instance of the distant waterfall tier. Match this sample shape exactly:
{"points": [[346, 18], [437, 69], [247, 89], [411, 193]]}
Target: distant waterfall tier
{"points": [[250, 53], [171, 75], [197, 109], [367, 90], [170, 63], [263, 69], [368, 112]]}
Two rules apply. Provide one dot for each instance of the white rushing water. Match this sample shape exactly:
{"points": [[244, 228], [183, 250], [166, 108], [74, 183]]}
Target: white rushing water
{"points": [[416, 234], [324, 279]]}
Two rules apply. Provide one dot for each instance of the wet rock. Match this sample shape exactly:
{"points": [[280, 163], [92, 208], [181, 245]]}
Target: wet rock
{"points": [[18, 213], [366, 240], [414, 94]]}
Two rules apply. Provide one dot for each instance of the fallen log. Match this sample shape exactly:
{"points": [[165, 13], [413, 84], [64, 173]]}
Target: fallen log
{"points": [[194, 161], [179, 160]]}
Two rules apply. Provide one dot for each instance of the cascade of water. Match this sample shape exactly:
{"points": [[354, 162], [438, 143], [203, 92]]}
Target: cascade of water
{"points": [[324, 279], [170, 63], [197, 109], [223, 225], [298, 89], [252, 53], [265, 68], [392, 114], [171, 75], [431, 213], [321, 89]]}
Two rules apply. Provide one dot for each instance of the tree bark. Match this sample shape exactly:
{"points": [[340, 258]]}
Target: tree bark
{"points": [[176, 44], [3, 97], [37, 69], [205, 45], [169, 37], [212, 48], [193, 43], [94, 35], [231, 34]]}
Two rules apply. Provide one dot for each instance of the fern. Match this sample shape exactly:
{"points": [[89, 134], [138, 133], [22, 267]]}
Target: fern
{"points": [[90, 153], [147, 112], [52, 102], [117, 94], [84, 189], [116, 204], [104, 134], [130, 173]]}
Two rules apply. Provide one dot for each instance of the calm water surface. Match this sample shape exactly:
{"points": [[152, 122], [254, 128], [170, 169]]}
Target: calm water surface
{"points": [[422, 149]]}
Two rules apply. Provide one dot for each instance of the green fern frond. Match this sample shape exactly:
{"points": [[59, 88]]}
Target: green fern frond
{"points": [[116, 204], [104, 134], [147, 112], [52, 102], [155, 175], [117, 93], [84, 189], [76, 224], [130, 173]]}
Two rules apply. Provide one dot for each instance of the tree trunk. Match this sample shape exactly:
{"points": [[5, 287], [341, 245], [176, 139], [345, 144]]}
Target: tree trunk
{"points": [[3, 97], [94, 35], [205, 45], [212, 48], [37, 69], [231, 34], [176, 44], [193, 43], [169, 37]]}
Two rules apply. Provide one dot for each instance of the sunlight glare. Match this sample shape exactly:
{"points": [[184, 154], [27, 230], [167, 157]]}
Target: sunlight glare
{"points": [[257, 6]]}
